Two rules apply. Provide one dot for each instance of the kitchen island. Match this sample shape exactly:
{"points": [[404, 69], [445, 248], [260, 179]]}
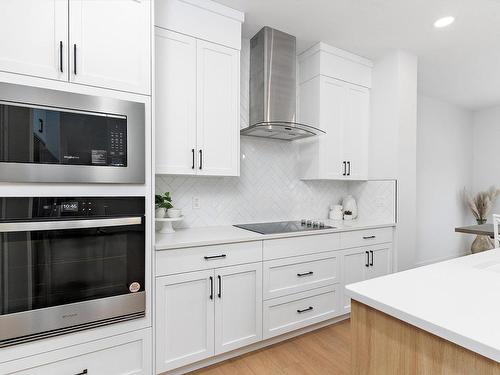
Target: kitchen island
{"points": [[438, 319]]}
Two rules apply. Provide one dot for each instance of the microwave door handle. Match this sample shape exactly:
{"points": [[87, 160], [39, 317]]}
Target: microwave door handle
{"points": [[27, 226]]}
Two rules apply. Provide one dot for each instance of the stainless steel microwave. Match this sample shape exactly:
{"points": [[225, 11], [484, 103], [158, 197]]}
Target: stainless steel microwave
{"points": [[54, 136]]}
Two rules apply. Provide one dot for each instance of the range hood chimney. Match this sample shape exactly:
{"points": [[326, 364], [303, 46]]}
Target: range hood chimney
{"points": [[273, 88]]}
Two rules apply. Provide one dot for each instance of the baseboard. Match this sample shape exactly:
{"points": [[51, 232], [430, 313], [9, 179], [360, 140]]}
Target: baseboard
{"points": [[253, 347]]}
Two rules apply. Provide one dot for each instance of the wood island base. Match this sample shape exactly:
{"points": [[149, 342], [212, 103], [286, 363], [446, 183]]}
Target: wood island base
{"points": [[383, 345]]}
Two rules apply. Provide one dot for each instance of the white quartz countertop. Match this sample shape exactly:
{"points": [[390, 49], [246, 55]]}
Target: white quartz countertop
{"points": [[458, 300], [204, 236]]}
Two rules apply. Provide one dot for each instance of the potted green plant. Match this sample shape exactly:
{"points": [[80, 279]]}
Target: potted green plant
{"points": [[163, 202]]}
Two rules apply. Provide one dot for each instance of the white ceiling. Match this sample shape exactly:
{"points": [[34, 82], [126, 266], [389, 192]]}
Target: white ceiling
{"points": [[459, 64]]}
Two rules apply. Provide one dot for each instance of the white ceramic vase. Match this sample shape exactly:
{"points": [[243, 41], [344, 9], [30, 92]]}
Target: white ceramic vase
{"points": [[160, 212], [349, 204]]}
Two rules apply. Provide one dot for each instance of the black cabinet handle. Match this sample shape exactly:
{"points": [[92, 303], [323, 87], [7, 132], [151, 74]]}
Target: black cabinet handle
{"points": [[201, 159], [345, 168], [369, 237], [305, 274], [61, 56], [348, 168], [83, 372], [211, 287], [215, 257], [367, 264], [192, 152], [219, 294], [74, 59], [305, 310], [40, 126], [371, 253]]}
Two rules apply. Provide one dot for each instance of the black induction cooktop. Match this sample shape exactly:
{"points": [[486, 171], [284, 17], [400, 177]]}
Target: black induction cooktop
{"points": [[284, 227]]}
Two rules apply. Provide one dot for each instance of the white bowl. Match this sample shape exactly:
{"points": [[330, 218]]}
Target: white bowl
{"points": [[174, 212]]}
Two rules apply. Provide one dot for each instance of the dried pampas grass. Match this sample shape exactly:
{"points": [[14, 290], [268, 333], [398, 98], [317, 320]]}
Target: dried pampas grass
{"points": [[482, 203]]}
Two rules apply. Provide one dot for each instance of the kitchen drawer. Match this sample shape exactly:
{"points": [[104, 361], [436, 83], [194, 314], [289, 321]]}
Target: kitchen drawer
{"points": [[299, 310], [302, 245], [207, 257], [298, 274], [365, 237], [128, 354]]}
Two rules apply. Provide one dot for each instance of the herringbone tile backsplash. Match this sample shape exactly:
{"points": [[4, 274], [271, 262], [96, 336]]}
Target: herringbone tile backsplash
{"points": [[269, 187]]}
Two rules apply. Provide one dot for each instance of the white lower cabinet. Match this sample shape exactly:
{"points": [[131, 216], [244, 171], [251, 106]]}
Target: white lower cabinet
{"points": [[184, 319], [238, 307], [364, 263], [127, 354], [200, 314], [285, 314]]}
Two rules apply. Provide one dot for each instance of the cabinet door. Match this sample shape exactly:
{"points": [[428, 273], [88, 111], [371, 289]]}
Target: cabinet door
{"points": [[184, 319], [33, 33], [356, 128], [332, 118], [355, 265], [381, 261], [175, 103], [238, 306], [112, 43], [218, 128]]}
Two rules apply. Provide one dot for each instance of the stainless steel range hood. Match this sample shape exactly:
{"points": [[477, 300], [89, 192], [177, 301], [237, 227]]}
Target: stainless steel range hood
{"points": [[273, 88]]}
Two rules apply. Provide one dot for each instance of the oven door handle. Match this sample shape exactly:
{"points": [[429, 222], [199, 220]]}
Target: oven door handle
{"points": [[28, 226]]}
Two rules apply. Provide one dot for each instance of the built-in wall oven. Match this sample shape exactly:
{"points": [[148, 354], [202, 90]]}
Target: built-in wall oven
{"points": [[55, 136], [69, 263]]}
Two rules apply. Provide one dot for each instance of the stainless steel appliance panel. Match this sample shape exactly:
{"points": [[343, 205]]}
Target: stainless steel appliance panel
{"points": [[134, 113]]}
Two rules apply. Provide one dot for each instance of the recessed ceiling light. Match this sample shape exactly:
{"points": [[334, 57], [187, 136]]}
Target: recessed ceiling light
{"points": [[443, 22]]}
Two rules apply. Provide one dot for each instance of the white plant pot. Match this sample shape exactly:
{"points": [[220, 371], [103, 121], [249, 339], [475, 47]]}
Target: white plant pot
{"points": [[348, 217], [160, 212], [174, 213]]}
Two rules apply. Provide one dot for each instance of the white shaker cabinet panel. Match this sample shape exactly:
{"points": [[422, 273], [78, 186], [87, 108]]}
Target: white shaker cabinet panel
{"points": [[34, 38], [238, 306], [356, 131], [218, 129], [355, 264], [175, 103], [184, 319], [380, 261], [110, 44], [332, 118]]}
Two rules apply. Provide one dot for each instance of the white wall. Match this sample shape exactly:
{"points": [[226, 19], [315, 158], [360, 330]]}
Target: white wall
{"points": [[486, 155], [393, 141], [444, 168]]}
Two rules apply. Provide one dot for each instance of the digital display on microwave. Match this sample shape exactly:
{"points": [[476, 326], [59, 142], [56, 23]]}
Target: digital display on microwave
{"points": [[69, 207]]}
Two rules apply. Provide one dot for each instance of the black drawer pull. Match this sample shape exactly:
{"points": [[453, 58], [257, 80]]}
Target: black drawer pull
{"points": [[215, 257], [371, 252], [305, 274], [369, 237], [83, 372], [367, 264], [305, 310]]}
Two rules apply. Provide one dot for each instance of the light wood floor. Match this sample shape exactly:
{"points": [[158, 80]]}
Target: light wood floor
{"points": [[321, 352]]}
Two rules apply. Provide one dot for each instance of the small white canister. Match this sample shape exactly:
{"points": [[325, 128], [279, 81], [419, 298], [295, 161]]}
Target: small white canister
{"points": [[336, 212]]}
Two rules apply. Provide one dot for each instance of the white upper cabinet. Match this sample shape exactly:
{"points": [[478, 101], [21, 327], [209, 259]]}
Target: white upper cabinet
{"points": [[97, 43], [176, 103], [197, 88], [330, 101], [34, 38], [110, 44], [218, 130]]}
